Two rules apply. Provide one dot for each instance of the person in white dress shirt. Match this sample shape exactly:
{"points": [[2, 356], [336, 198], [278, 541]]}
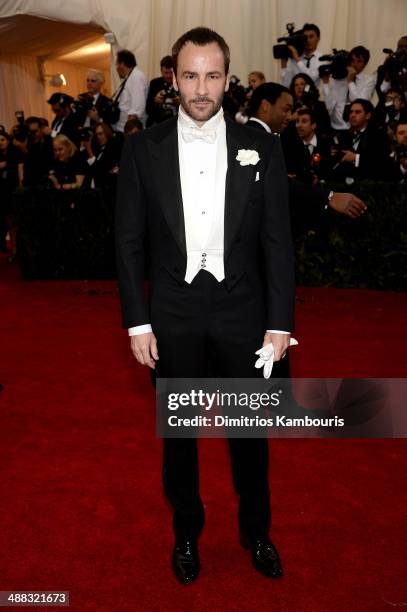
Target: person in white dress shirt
{"points": [[133, 96], [307, 63], [340, 93]]}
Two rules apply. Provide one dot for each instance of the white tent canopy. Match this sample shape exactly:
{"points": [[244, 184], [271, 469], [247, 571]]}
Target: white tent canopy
{"points": [[44, 28]]}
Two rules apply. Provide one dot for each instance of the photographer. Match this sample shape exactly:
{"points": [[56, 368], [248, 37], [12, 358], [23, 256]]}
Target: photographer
{"points": [[65, 121], [306, 62], [362, 152], [344, 82], [130, 98], [392, 110], [162, 100], [393, 73], [103, 158], [93, 107]]}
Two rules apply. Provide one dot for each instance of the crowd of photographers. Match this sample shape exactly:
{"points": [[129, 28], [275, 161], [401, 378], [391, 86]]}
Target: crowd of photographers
{"points": [[340, 138]]}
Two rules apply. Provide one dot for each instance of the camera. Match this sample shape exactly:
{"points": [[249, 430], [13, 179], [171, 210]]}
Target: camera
{"points": [[168, 107], [85, 134], [295, 39], [337, 66], [83, 104]]}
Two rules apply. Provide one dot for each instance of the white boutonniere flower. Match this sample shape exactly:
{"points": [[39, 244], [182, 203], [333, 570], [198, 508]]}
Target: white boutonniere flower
{"points": [[247, 157]]}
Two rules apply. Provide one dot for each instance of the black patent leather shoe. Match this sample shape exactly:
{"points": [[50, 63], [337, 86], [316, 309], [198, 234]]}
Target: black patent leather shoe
{"points": [[265, 557], [185, 561]]}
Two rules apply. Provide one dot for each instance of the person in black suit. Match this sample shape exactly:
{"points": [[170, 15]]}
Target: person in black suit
{"points": [[307, 152], [205, 193], [92, 106], [103, 158], [162, 100], [270, 110], [66, 121], [363, 150]]}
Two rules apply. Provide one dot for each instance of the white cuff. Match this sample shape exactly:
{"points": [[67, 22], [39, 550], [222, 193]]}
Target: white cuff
{"points": [[277, 331], [140, 329], [357, 160]]}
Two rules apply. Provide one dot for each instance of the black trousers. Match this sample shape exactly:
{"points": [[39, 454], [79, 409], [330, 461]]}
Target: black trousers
{"points": [[202, 329]]}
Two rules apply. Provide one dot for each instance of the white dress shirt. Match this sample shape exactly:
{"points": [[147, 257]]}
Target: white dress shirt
{"points": [[335, 96], [362, 87], [203, 168], [293, 68], [133, 98], [339, 92], [312, 144]]}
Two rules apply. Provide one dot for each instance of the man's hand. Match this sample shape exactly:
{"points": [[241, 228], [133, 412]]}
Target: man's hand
{"points": [[350, 156], [347, 204], [144, 348], [93, 114], [281, 342], [294, 53], [351, 74], [159, 98]]}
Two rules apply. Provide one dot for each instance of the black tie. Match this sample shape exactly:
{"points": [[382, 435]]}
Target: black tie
{"points": [[309, 60]]}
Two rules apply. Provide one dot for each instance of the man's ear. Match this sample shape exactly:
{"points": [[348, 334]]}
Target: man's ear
{"points": [[174, 81], [227, 83]]}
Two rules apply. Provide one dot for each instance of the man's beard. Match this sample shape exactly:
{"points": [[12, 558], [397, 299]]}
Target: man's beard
{"points": [[204, 113]]}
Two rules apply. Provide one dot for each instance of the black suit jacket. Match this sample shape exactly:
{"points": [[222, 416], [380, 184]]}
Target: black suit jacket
{"points": [[149, 206], [373, 149], [103, 106], [306, 200]]}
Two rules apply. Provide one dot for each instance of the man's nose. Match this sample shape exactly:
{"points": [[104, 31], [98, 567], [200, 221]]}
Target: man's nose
{"points": [[202, 86]]}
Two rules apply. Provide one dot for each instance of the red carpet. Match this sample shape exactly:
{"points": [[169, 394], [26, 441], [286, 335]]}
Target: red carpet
{"points": [[81, 507]]}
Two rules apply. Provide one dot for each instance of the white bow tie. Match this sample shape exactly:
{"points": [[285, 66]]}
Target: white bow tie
{"points": [[191, 134]]}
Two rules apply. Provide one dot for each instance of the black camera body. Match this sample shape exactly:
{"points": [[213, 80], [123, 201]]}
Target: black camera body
{"points": [[296, 39], [396, 67], [83, 104], [337, 66]]}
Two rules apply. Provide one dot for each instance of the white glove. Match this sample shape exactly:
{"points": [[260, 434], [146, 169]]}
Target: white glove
{"points": [[266, 357]]}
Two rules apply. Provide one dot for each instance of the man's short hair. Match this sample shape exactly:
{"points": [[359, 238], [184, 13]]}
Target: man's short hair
{"points": [[307, 111], [131, 124], [266, 91], [201, 37], [31, 120], [62, 99], [127, 58], [367, 105], [396, 127], [313, 27], [167, 62], [361, 51], [260, 75]]}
